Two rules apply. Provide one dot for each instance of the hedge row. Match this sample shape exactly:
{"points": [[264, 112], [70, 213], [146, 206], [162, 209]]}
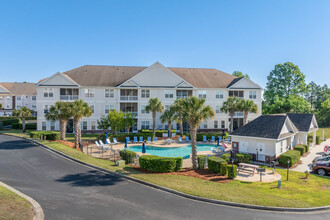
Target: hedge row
{"points": [[292, 155], [1, 125], [128, 156], [300, 148], [226, 157], [160, 164], [29, 126], [47, 135], [14, 117], [243, 158], [158, 133], [10, 121], [201, 161], [230, 170], [217, 165], [199, 136], [310, 139]]}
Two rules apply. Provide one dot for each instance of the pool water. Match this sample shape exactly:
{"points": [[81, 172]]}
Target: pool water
{"points": [[172, 151]]}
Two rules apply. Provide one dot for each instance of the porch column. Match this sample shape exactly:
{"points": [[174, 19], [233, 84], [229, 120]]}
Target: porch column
{"points": [[314, 137]]}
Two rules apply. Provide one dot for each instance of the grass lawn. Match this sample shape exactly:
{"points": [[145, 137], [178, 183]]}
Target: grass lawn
{"points": [[326, 132], [13, 206], [296, 192]]}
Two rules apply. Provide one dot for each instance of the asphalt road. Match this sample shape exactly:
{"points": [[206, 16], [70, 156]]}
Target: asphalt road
{"points": [[67, 190]]}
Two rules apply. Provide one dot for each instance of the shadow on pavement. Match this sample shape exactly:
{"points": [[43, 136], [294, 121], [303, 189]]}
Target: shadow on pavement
{"points": [[14, 145], [90, 178]]}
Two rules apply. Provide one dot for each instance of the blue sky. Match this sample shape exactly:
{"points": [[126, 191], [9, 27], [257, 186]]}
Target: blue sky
{"points": [[39, 38]]}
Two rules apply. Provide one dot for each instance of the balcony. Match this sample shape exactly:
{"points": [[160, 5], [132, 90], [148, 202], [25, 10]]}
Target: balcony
{"points": [[238, 114], [128, 98], [135, 114], [69, 97]]}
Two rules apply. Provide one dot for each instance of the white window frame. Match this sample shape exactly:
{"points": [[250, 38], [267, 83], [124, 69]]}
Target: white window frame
{"points": [[143, 109], [219, 94], [144, 125], [93, 125], [108, 109], [252, 94], [19, 98], [202, 94], [109, 93], [44, 126], [89, 93], [217, 109], [169, 94], [84, 125], [34, 98], [223, 124], [145, 93], [48, 92], [52, 125], [216, 124], [93, 108]]}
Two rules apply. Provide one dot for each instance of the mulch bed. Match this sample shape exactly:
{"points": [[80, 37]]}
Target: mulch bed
{"points": [[305, 154], [202, 174]]}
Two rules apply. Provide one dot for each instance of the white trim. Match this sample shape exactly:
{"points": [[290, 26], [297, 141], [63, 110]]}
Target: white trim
{"points": [[5, 89], [247, 79], [129, 80], [181, 84], [61, 74]]}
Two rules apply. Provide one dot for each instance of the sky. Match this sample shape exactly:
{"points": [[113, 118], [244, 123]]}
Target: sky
{"points": [[40, 38]]}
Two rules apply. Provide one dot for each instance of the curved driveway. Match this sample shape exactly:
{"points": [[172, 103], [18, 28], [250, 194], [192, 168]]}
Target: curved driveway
{"points": [[67, 190]]}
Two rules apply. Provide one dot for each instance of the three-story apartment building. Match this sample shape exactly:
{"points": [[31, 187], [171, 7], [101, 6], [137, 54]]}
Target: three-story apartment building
{"points": [[129, 89], [16, 95]]}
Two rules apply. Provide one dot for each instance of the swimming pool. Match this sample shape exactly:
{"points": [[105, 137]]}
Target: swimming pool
{"points": [[172, 151]]}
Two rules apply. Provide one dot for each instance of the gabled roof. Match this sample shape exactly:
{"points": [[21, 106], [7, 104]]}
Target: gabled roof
{"points": [[234, 81], [20, 88], [112, 76], [265, 126], [301, 121]]}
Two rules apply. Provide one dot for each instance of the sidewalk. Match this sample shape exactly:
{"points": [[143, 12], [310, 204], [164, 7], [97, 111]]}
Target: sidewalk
{"points": [[314, 152]]}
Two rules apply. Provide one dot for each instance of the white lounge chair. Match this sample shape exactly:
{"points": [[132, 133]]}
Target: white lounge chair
{"points": [[108, 141], [115, 141]]}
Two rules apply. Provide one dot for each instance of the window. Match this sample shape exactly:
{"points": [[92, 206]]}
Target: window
{"points": [[223, 124], [217, 109], [89, 93], [145, 93], [143, 110], [216, 124], [109, 93], [52, 125], [69, 94], [252, 95], [34, 106], [46, 109], [48, 92], [281, 146], [183, 93], [93, 125], [92, 107], [144, 124], [239, 94], [169, 94], [7, 105], [108, 108], [1, 97], [219, 94], [34, 97], [8, 97], [43, 126], [18, 98], [84, 125], [202, 94], [205, 125]]}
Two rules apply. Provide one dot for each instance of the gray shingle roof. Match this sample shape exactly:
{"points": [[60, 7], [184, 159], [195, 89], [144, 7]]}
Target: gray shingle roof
{"points": [[301, 121]]}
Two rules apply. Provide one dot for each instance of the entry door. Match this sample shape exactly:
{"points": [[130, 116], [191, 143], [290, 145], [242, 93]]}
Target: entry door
{"points": [[261, 151], [69, 126], [235, 146]]}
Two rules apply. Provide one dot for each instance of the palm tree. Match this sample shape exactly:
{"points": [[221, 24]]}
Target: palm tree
{"points": [[154, 106], [79, 109], [129, 121], [60, 111], [231, 106], [247, 106], [179, 109], [168, 117], [22, 113], [195, 112]]}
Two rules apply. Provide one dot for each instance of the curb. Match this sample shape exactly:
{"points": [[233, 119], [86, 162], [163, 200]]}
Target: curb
{"points": [[181, 194], [38, 212]]}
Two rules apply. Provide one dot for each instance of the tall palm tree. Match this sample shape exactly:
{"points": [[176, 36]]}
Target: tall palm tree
{"points": [[179, 109], [196, 112], [79, 109], [154, 106], [247, 106], [168, 117], [231, 106], [60, 111], [129, 121], [22, 113]]}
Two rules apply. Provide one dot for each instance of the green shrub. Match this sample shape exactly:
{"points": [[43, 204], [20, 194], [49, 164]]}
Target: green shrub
{"points": [[128, 156], [121, 137], [158, 133], [10, 121], [243, 158], [310, 139], [1, 125], [15, 126], [53, 136], [201, 161], [28, 126], [214, 164], [47, 135], [300, 148], [226, 156], [2, 118], [230, 169], [223, 168], [160, 164], [292, 155], [306, 146]]}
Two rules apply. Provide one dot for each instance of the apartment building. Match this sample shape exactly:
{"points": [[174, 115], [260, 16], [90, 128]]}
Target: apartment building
{"points": [[15, 95], [129, 89]]}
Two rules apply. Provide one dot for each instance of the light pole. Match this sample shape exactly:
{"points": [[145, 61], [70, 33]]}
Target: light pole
{"points": [[287, 175]]}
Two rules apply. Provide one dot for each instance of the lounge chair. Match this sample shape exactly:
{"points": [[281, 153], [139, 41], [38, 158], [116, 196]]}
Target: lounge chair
{"points": [[97, 144], [101, 143], [135, 139], [187, 139], [104, 146], [115, 141], [109, 142], [220, 138], [155, 140], [128, 139], [148, 139], [140, 139], [180, 140], [213, 139], [204, 139]]}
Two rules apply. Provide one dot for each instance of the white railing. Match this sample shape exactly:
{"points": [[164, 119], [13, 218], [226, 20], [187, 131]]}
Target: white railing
{"points": [[69, 97], [238, 114], [129, 98]]}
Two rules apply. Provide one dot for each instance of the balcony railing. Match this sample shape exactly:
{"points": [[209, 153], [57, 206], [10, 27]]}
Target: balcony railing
{"points": [[69, 97], [238, 114], [128, 98], [134, 114]]}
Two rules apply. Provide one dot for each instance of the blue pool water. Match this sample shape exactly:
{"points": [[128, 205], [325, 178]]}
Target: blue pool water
{"points": [[172, 151]]}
